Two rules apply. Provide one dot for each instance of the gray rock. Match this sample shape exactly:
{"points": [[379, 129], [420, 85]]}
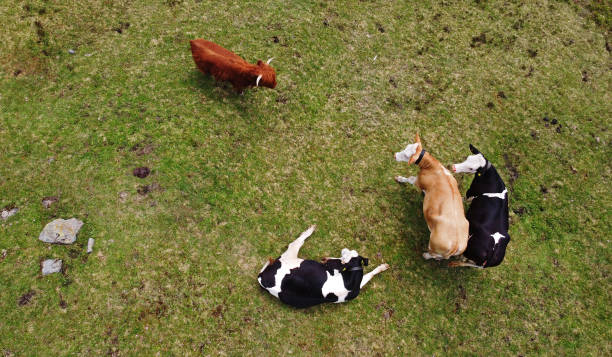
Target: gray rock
{"points": [[51, 266], [6, 213], [90, 244], [71, 51], [61, 231]]}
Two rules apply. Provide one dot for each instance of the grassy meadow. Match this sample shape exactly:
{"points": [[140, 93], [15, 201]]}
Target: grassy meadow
{"points": [[90, 90]]}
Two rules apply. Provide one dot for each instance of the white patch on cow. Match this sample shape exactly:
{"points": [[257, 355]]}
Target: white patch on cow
{"points": [[347, 255], [335, 284], [407, 153], [471, 164], [497, 236], [501, 195], [446, 172], [285, 268]]}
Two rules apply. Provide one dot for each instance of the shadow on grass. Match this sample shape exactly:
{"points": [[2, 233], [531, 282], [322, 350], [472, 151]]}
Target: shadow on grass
{"points": [[222, 92], [407, 202]]}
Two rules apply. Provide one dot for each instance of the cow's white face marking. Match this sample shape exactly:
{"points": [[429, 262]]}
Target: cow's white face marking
{"points": [[407, 153], [471, 164], [501, 195], [335, 284], [347, 255], [497, 236]]}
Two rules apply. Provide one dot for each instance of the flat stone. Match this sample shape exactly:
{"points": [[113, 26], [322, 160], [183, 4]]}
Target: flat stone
{"points": [[61, 231], [51, 266]]}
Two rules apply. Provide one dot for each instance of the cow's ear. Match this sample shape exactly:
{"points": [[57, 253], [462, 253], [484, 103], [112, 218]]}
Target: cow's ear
{"points": [[259, 62], [474, 150]]}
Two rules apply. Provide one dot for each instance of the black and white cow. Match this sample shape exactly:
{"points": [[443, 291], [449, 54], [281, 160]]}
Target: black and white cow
{"points": [[303, 283], [488, 213]]}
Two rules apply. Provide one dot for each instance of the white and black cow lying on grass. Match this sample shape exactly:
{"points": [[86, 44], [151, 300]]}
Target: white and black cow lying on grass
{"points": [[488, 213], [303, 283]]}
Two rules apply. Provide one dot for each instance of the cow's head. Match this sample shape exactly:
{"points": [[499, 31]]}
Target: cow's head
{"points": [[411, 153], [473, 163], [352, 258], [266, 76]]}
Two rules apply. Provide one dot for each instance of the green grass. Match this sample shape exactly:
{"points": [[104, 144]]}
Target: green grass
{"points": [[238, 177]]}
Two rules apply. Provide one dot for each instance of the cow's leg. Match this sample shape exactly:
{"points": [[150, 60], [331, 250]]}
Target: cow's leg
{"points": [[456, 264], [401, 179], [371, 274], [429, 255], [294, 247]]}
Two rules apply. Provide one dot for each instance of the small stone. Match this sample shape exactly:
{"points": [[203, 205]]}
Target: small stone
{"points": [[51, 159], [597, 138], [3, 253], [71, 51], [90, 244], [49, 201], [61, 231], [7, 212], [51, 266]]}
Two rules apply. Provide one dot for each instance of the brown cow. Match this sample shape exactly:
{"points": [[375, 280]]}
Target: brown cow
{"points": [[225, 65]]}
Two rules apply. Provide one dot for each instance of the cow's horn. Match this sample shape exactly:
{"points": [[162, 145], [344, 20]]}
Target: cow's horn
{"points": [[269, 60], [257, 81]]}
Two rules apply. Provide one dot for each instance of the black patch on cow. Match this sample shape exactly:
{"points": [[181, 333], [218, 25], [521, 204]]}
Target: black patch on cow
{"points": [[267, 275], [332, 264], [331, 297]]}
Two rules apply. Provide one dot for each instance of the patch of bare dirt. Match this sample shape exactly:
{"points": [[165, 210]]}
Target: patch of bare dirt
{"points": [[26, 298], [510, 164], [141, 172]]}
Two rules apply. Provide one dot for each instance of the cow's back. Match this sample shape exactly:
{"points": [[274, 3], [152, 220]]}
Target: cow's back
{"points": [[208, 54], [445, 215]]}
